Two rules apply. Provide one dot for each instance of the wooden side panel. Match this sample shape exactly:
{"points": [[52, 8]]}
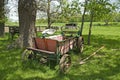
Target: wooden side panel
{"points": [[40, 43], [51, 45], [67, 45]]}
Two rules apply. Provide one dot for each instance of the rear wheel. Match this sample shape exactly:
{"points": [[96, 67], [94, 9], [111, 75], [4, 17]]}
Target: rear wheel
{"points": [[80, 44], [65, 63]]}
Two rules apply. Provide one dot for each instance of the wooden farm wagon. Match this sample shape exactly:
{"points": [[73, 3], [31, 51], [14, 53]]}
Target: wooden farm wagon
{"points": [[55, 48]]}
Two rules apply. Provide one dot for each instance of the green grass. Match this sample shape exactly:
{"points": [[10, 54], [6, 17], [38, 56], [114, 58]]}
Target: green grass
{"points": [[103, 66]]}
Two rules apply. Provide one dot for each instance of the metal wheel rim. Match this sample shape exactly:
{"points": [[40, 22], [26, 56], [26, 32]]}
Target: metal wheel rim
{"points": [[65, 63]]}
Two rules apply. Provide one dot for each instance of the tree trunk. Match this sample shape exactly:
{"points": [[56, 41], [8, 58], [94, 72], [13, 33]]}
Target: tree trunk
{"points": [[27, 18], [2, 18], [106, 22], [90, 28], [2, 25], [48, 14], [82, 24]]}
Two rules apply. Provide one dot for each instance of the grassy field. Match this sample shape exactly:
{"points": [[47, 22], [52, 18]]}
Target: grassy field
{"points": [[104, 65]]}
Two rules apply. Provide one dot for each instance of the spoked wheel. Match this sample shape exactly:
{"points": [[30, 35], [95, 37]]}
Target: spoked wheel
{"points": [[65, 63], [80, 44], [27, 54]]}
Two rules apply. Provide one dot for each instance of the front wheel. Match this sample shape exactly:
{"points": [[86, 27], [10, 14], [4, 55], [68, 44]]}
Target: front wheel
{"points": [[27, 54], [65, 63]]}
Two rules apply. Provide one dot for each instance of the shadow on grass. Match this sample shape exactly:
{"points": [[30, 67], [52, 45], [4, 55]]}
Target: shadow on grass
{"points": [[109, 42], [8, 60], [5, 72]]}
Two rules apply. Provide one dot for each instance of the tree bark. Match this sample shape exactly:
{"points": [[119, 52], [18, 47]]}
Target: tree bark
{"points": [[82, 24], [90, 28], [2, 25], [27, 18], [48, 14], [2, 18]]}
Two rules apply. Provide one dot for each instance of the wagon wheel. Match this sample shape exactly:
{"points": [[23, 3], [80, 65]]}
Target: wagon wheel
{"points": [[27, 54], [65, 63], [80, 44]]}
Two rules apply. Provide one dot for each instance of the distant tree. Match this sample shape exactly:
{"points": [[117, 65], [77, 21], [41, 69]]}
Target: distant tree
{"points": [[98, 9], [117, 17], [118, 3], [61, 10], [49, 9], [69, 11], [110, 14]]}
